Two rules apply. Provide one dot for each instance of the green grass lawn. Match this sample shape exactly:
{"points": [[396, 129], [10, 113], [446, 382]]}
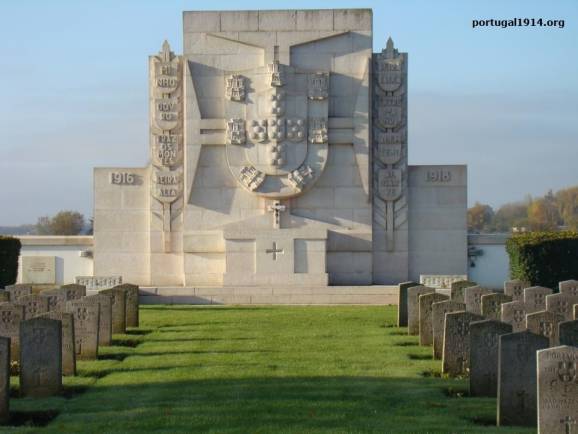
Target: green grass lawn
{"points": [[262, 370]]}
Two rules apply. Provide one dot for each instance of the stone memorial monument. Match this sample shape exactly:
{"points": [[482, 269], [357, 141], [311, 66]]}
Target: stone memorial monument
{"points": [[562, 304], [34, 305], [86, 327], [457, 290], [38, 270], [473, 298], [68, 352], [10, 317], [515, 289], [279, 158], [456, 349], [131, 304], [492, 305], [426, 316], [514, 313], [545, 323], [535, 298], [558, 390], [104, 302], [413, 294], [439, 311], [402, 302], [118, 308]]}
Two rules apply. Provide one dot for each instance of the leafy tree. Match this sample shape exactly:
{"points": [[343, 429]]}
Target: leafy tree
{"points": [[543, 214], [567, 202], [480, 217], [510, 215], [63, 223]]}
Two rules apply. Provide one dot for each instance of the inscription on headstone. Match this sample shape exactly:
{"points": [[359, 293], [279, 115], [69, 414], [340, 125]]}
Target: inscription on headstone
{"points": [[18, 291], [68, 352], [413, 294], [492, 305], [104, 301], [10, 317], [40, 357], [569, 287], [473, 298], [86, 321], [439, 311], [558, 390], [456, 350], [514, 313], [4, 379], [55, 299], [34, 305], [517, 378], [402, 302], [568, 333], [118, 309], [515, 289], [545, 324], [484, 340], [425, 316], [457, 290], [535, 298], [562, 304]]}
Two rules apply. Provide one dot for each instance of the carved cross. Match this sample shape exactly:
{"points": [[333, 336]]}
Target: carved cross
{"points": [[567, 421], [546, 328], [275, 251], [276, 209], [522, 395]]}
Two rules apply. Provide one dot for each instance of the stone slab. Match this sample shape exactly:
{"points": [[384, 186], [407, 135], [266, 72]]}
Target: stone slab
{"points": [[514, 313], [10, 317], [39, 270], [558, 390], [456, 348], [457, 290], [517, 378], [96, 283], [73, 291], [569, 287], [492, 305], [118, 309], [568, 333], [131, 303], [68, 352], [441, 281], [40, 357], [34, 305], [402, 302], [473, 298], [535, 298], [515, 289], [545, 324], [4, 379], [439, 311], [562, 304], [18, 291], [413, 294], [484, 352], [86, 328], [104, 302], [425, 316]]}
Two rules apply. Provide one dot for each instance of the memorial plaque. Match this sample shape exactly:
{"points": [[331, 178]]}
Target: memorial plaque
{"points": [[569, 287], [473, 298], [38, 270], [425, 316], [515, 289], [104, 301], [10, 317], [118, 309], [562, 304], [40, 357], [484, 339], [73, 291], [402, 302], [457, 290], [535, 298], [492, 305], [514, 313], [18, 291], [4, 379], [96, 283], [439, 311], [34, 305], [413, 294], [517, 378], [86, 322], [545, 324], [68, 352], [558, 390], [456, 350], [131, 304], [440, 281], [568, 333]]}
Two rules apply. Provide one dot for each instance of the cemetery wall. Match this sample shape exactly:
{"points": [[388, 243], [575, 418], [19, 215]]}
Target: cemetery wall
{"points": [[490, 268]]}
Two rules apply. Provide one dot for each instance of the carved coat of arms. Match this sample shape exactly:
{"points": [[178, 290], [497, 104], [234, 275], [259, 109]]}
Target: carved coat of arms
{"points": [[389, 185], [235, 87]]}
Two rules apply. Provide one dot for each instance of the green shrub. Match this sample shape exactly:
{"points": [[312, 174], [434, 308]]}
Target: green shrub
{"points": [[544, 258], [9, 253]]}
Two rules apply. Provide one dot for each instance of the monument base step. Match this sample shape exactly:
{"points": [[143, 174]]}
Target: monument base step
{"points": [[323, 295]]}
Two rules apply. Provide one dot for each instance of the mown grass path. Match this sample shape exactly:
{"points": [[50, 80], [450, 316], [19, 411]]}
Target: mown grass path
{"points": [[262, 370]]}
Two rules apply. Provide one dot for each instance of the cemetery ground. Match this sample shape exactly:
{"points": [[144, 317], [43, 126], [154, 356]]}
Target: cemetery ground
{"points": [[261, 369]]}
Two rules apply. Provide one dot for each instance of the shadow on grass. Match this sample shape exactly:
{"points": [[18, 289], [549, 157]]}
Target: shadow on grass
{"points": [[122, 342], [420, 356], [138, 332], [31, 418], [405, 344]]}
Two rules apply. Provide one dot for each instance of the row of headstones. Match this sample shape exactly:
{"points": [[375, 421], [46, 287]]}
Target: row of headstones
{"points": [[45, 333], [520, 346]]}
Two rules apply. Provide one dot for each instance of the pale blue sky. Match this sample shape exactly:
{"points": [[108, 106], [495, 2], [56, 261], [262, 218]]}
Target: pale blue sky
{"points": [[74, 92]]}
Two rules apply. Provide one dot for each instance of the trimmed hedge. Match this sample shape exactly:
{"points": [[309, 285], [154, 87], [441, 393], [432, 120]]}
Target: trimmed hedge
{"points": [[544, 258], [9, 253]]}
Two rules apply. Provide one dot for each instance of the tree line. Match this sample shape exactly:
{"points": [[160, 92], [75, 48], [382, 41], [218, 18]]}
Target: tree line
{"points": [[551, 212]]}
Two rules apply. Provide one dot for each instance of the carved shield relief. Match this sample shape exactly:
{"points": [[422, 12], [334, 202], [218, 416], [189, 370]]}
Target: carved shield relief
{"points": [[167, 149], [166, 185], [389, 185], [389, 73], [166, 113]]}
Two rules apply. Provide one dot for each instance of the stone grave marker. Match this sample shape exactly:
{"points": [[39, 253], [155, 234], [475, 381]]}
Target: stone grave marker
{"points": [[569, 287], [517, 378], [10, 317], [515, 289], [118, 309], [514, 313], [457, 290], [425, 316], [473, 298], [492, 305], [456, 350], [131, 304], [558, 390], [34, 305], [484, 340], [55, 299], [535, 298], [68, 352], [4, 296], [4, 379], [18, 291], [86, 328], [104, 301], [40, 357], [73, 291], [545, 323], [439, 311], [576, 311], [562, 304], [402, 302], [413, 294], [568, 333]]}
